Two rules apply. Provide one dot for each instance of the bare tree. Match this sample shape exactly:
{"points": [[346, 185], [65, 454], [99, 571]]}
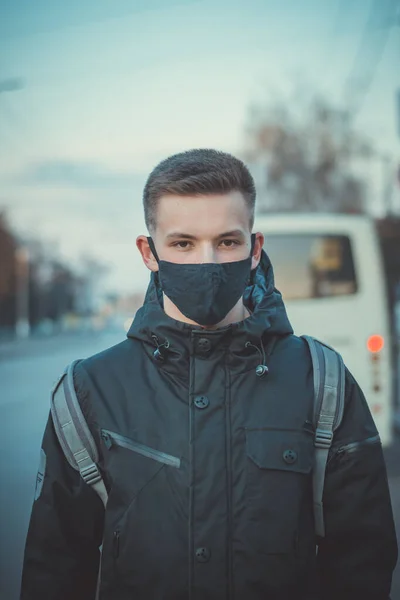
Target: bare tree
{"points": [[307, 162], [51, 288]]}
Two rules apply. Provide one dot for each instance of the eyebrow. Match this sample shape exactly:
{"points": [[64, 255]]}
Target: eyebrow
{"points": [[188, 236]]}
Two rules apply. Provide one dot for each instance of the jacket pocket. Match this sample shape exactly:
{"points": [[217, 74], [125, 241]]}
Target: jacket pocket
{"points": [[139, 475], [115, 439], [279, 489], [361, 445]]}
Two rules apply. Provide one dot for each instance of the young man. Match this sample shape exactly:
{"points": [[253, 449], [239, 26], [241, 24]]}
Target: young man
{"points": [[202, 418]]}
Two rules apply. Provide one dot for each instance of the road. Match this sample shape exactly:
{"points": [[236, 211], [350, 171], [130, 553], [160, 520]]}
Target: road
{"points": [[27, 371]]}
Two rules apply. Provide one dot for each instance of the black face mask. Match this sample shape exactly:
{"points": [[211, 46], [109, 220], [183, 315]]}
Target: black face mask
{"points": [[205, 293]]}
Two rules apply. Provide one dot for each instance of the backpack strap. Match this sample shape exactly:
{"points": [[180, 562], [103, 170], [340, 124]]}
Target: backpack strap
{"points": [[74, 434], [329, 388]]}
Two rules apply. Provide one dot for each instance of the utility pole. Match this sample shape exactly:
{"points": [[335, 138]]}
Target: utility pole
{"points": [[22, 325], [388, 180]]}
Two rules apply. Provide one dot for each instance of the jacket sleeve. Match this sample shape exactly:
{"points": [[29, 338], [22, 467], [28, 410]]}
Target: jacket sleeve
{"points": [[62, 547], [357, 557]]}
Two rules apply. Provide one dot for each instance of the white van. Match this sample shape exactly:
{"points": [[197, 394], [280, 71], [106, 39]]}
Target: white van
{"points": [[329, 271]]}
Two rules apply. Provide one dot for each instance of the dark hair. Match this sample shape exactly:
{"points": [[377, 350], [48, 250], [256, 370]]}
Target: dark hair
{"points": [[197, 172]]}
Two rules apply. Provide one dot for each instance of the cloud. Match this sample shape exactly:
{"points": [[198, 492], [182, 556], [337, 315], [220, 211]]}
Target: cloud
{"points": [[78, 174], [49, 16]]}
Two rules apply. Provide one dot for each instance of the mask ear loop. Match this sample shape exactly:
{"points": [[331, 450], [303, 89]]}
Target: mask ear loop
{"points": [[153, 248], [252, 271], [253, 243]]}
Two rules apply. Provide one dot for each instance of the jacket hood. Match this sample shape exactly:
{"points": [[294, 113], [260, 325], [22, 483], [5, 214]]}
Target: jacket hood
{"points": [[268, 318]]}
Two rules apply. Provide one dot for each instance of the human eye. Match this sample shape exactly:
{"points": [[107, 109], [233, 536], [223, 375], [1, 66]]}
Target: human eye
{"points": [[230, 243], [181, 245]]}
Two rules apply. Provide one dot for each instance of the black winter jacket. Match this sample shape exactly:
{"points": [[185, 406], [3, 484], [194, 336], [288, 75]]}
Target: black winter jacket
{"points": [[204, 503]]}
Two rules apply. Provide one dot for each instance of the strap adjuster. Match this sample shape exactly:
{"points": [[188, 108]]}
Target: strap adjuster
{"points": [[91, 474], [323, 438]]}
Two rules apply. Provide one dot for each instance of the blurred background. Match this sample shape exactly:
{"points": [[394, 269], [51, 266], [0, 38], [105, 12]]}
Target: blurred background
{"points": [[94, 94]]}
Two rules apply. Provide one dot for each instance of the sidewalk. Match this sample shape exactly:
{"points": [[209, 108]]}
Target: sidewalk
{"points": [[44, 345]]}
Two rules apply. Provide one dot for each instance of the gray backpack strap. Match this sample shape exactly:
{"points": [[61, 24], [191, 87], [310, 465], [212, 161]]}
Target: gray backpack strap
{"points": [[329, 388], [74, 434]]}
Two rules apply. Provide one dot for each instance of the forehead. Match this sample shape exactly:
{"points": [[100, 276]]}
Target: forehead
{"points": [[197, 215]]}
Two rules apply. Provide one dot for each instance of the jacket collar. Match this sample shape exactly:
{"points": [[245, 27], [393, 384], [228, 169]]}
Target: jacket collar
{"points": [[177, 341]]}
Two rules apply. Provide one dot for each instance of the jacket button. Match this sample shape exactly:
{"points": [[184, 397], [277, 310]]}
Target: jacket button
{"points": [[201, 402], [203, 345], [203, 555], [290, 456]]}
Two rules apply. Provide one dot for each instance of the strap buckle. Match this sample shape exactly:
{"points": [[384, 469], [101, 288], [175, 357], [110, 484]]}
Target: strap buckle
{"points": [[91, 474], [323, 438]]}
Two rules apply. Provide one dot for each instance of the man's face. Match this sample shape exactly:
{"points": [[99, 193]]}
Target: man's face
{"points": [[202, 229]]}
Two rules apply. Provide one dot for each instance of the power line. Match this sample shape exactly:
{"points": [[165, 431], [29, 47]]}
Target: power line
{"points": [[381, 18], [331, 43]]}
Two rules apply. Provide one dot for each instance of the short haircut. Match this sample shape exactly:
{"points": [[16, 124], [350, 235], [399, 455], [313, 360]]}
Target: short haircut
{"points": [[197, 172]]}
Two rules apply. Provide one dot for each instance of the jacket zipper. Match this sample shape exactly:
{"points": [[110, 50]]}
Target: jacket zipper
{"points": [[110, 439], [356, 445], [116, 544]]}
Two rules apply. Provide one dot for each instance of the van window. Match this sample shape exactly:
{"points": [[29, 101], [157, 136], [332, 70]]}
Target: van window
{"points": [[311, 265]]}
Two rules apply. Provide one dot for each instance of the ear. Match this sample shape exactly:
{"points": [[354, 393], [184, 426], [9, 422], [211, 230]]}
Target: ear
{"points": [[258, 246], [147, 255]]}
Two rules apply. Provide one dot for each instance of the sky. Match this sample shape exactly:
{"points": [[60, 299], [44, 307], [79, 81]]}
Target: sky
{"points": [[112, 87]]}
